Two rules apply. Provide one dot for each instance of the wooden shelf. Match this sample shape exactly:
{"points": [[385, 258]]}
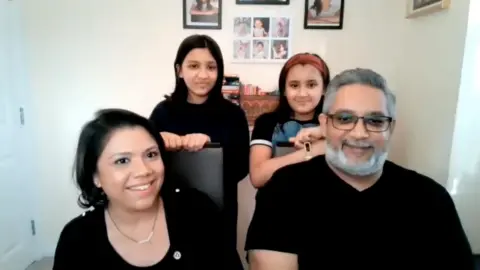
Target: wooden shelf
{"points": [[256, 105]]}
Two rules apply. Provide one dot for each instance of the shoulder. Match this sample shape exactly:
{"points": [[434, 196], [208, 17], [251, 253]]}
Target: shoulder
{"points": [[234, 112], [424, 186], [86, 220], [231, 110], [269, 118], [82, 227], [163, 105], [160, 111], [263, 129], [292, 180]]}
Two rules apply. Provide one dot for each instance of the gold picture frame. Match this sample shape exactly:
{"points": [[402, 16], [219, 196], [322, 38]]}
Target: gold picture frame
{"points": [[417, 8]]}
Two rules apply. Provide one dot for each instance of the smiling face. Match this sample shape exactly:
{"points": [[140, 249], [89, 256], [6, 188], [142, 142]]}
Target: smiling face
{"points": [[304, 89], [358, 148], [199, 71], [130, 170]]}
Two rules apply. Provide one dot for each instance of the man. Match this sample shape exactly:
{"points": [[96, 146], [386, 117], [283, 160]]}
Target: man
{"points": [[351, 208]]}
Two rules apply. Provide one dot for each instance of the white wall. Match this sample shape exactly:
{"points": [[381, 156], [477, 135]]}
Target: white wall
{"points": [[464, 175], [84, 55], [428, 76]]}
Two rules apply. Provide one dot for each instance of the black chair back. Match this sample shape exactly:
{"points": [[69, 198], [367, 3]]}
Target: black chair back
{"points": [[202, 170]]}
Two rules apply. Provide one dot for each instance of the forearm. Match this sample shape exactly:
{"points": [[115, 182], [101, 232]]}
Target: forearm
{"points": [[272, 260], [261, 173]]}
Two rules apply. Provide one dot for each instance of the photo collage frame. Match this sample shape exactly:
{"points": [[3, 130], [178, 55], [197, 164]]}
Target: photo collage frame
{"points": [[262, 39]]}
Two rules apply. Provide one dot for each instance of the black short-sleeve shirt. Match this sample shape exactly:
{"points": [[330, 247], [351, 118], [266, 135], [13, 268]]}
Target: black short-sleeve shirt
{"points": [[404, 221], [268, 130]]}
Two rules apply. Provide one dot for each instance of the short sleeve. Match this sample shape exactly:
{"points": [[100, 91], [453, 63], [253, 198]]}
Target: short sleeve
{"points": [[158, 117], [446, 234], [274, 223], [263, 130]]}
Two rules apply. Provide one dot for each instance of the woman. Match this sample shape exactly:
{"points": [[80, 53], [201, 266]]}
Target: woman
{"points": [[302, 83], [197, 113], [138, 217]]}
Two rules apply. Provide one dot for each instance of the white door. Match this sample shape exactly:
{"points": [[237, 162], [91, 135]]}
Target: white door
{"points": [[16, 237]]}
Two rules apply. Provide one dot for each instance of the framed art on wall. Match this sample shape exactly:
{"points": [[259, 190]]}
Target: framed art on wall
{"points": [[323, 14], [417, 8], [202, 14], [261, 39], [263, 2]]}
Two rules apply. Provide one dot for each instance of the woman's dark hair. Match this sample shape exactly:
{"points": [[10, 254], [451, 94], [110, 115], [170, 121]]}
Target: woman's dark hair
{"points": [[283, 111], [91, 143], [188, 44], [199, 5]]}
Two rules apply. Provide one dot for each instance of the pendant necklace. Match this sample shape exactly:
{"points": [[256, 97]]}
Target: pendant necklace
{"points": [[144, 241]]}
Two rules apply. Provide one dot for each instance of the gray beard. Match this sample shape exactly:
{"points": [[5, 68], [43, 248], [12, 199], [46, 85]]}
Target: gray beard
{"points": [[337, 159]]}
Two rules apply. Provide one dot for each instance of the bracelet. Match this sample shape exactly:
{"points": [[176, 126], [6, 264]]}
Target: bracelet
{"points": [[308, 149]]}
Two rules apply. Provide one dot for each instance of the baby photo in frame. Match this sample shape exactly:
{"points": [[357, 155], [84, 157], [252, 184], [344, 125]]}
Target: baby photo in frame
{"points": [[202, 14], [263, 2], [323, 14]]}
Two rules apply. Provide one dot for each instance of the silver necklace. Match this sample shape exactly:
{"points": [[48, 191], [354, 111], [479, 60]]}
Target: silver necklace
{"points": [[144, 241]]}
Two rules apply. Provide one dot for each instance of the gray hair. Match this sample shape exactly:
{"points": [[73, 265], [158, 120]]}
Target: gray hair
{"points": [[359, 76]]}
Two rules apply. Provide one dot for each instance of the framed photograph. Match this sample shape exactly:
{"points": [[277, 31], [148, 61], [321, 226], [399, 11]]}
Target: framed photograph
{"points": [[202, 14], [263, 2], [323, 14], [261, 39], [417, 8]]}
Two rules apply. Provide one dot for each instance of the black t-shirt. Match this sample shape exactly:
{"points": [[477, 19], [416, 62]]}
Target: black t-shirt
{"points": [[192, 221], [268, 131], [404, 221], [225, 123]]}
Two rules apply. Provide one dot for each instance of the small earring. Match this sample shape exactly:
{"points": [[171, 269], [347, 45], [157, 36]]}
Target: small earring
{"points": [[97, 183]]}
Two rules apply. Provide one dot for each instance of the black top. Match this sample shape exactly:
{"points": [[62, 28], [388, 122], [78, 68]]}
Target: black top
{"points": [[404, 221], [269, 131], [192, 227], [225, 123]]}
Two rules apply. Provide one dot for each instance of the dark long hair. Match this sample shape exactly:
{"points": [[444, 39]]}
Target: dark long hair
{"points": [[283, 111], [91, 143], [180, 93]]}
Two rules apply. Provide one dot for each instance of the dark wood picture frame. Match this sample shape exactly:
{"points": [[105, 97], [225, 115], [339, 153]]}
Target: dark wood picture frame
{"points": [[264, 2], [201, 25], [331, 26]]}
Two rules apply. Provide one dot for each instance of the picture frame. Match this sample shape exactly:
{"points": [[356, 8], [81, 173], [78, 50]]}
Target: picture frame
{"points": [[262, 39], [197, 15], [263, 2], [318, 17], [417, 8]]}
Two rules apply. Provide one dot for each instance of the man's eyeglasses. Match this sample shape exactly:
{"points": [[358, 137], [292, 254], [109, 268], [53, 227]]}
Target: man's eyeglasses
{"points": [[372, 123]]}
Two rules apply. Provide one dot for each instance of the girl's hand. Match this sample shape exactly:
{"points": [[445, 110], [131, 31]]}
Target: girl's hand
{"points": [[194, 142], [310, 134], [172, 141]]}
